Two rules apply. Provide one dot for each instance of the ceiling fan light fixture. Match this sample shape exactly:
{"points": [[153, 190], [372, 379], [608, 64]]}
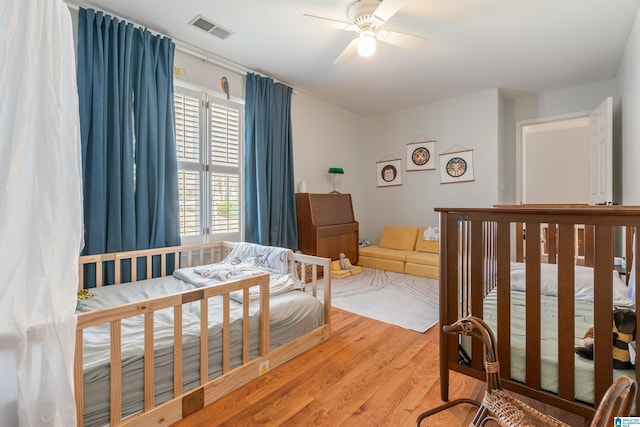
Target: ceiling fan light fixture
{"points": [[366, 44]]}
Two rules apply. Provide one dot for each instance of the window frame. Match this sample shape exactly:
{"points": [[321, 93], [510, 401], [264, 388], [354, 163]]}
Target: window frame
{"points": [[206, 168]]}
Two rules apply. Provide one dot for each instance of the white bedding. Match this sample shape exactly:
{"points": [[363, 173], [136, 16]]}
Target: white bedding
{"points": [[583, 283], [246, 260], [584, 379], [291, 314]]}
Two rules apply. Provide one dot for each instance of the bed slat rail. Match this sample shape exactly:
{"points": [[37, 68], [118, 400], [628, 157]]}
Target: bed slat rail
{"points": [[470, 269], [209, 390], [187, 256], [148, 308]]}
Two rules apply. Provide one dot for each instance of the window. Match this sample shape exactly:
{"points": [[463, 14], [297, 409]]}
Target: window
{"points": [[208, 140]]}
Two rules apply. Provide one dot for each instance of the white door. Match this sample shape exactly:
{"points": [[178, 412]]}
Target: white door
{"points": [[601, 130]]}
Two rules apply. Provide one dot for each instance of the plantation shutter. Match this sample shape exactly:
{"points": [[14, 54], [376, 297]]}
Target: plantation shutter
{"points": [[188, 113], [224, 168]]}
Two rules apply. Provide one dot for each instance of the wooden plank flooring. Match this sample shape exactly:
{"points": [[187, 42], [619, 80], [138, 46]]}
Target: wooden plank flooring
{"points": [[368, 373]]}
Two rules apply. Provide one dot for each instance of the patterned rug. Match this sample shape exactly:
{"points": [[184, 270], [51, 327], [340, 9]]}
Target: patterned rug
{"points": [[407, 301]]}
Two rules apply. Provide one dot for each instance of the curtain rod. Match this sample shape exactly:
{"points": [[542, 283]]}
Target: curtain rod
{"points": [[185, 47]]}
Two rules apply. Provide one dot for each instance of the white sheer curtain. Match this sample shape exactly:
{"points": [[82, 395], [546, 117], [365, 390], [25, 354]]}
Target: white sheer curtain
{"points": [[40, 213]]}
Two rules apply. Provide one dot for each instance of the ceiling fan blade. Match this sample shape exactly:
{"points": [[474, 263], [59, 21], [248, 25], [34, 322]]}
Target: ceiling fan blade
{"points": [[349, 52], [406, 41], [388, 8], [340, 25]]}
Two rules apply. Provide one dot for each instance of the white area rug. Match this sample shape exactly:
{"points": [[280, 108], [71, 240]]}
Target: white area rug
{"points": [[407, 301]]}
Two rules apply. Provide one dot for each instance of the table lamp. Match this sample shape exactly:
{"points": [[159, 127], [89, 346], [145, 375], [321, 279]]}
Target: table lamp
{"points": [[335, 171]]}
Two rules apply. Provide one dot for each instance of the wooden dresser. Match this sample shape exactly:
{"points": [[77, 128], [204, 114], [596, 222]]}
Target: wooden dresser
{"points": [[326, 225]]}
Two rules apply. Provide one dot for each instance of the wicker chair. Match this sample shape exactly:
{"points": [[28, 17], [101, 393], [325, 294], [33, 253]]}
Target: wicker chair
{"points": [[502, 408]]}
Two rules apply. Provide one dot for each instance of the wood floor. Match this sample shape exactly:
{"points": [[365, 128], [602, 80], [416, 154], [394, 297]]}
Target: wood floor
{"points": [[368, 373]]}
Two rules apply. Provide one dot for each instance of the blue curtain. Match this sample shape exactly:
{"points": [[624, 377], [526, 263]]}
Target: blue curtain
{"points": [[104, 92], [156, 203], [270, 209], [129, 163]]}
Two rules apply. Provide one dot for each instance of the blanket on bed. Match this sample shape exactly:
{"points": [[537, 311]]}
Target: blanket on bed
{"points": [[246, 260]]}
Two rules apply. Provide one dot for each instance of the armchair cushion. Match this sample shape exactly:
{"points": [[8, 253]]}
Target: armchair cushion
{"points": [[399, 237]]}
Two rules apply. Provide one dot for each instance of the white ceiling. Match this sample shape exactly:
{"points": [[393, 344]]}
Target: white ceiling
{"points": [[518, 45]]}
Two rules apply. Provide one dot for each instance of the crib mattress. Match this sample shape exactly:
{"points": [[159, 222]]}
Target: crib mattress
{"points": [[584, 378], [291, 315]]}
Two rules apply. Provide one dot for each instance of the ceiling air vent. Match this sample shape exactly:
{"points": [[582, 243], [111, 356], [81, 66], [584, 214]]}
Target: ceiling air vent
{"points": [[210, 27]]}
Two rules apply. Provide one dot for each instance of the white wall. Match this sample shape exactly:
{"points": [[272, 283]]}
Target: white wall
{"points": [[629, 94], [207, 75], [326, 136], [578, 99], [466, 122]]}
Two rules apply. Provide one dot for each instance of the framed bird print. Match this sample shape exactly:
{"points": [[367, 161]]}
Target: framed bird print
{"points": [[421, 156], [388, 173], [456, 166]]}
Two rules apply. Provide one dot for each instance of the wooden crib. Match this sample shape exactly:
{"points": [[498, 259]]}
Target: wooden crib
{"points": [[478, 251]]}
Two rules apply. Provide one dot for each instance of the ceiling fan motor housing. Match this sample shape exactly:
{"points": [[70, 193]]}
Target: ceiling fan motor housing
{"points": [[361, 14]]}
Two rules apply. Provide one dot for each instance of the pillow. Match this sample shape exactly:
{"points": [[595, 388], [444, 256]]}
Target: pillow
{"points": [[431, 233], [398, 237], [583, 282]]}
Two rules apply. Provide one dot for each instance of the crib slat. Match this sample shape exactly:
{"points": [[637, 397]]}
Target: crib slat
{"points": [[603, 301], [78, 374], [264, 318], [519, 238], [245, 326], [149, 260], [589, 251], [116, 268], [552, 244], [477, 294], [116, 373], [204, 341], [566, 311], [80, 276], [149, 387], [98, 273], [177, 262], [226, 334], [177, 350], [504, 298], [533, 318], [448, 296], [134, 269]]}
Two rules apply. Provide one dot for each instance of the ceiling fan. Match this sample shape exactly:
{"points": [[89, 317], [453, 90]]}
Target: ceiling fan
{"points": [[367, 19]]}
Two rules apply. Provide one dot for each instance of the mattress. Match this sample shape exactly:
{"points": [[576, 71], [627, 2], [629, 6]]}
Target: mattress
{"points": [[584, 378], [292, 314]]}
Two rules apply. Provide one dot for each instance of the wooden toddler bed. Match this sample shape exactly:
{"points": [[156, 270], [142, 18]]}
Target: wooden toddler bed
{"points": [[487, 264], [128, 370]]}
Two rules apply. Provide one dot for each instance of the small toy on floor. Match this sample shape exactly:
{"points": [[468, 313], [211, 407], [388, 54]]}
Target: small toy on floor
{"points": [[343, 268], [345, 264]]}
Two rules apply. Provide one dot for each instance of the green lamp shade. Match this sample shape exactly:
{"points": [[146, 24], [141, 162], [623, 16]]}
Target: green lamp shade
{"points": [[336, 170]]}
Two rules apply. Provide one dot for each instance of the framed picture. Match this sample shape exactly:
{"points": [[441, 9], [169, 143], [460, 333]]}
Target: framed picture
{"points": [[421, 156], [388, 173], [456, 166]]}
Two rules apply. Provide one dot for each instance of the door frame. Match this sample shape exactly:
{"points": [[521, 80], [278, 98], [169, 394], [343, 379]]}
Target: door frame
{"points": [[520, 124]]}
